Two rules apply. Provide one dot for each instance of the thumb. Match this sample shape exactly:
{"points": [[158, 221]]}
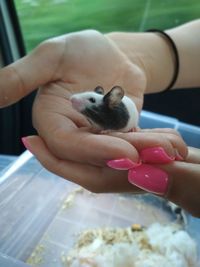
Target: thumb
{"points": [[184, 185], [29, 72], [177, 181]]}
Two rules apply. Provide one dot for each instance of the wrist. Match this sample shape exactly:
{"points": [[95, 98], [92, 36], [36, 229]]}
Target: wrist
{"points": [[187, 40], [151, 53]]}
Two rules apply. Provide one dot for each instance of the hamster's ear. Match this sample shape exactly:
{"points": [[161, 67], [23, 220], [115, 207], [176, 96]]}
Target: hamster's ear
{"points": [[99, 90], [114, 96]]}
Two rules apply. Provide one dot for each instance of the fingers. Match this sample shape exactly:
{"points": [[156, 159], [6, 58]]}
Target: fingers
{"points": [[72, 171], [182, 177], [82, 146], [178, 181], [170, 141], [184, 185], [26, 74], [193, 155], [95, 179], [161, 130], [66, 141]]}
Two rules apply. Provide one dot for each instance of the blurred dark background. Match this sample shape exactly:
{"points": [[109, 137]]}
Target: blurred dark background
{"points": [[182, 104]]}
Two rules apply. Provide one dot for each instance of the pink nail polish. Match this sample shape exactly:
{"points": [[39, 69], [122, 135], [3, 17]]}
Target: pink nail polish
{"points": [[155, 155], [122, 164], [26, 143], [149, 178]]}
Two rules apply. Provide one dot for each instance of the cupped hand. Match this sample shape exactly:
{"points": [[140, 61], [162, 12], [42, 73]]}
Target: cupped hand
{"points": [[86, 59], [65, 65], [102, 178]]}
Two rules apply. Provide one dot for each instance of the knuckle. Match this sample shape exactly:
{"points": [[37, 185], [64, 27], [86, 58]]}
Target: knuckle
{"points": [[173, 131], [162, 141]]}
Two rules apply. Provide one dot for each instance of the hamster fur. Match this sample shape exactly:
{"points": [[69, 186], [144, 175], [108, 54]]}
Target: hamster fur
{"points": [[110, 112]]}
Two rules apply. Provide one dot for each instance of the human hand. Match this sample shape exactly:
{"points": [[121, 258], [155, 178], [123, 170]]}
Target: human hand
{"points": [[65, 65], [88, 59], [178, 181], [183, 182], [69, 64], [102, 178]]}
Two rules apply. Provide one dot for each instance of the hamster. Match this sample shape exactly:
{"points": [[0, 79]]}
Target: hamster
{"points": [[110, 112]]}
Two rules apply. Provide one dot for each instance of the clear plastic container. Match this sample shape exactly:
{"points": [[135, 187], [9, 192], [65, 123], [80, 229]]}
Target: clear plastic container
{"points": [[190, 133], [41, 213], [6, 161]]}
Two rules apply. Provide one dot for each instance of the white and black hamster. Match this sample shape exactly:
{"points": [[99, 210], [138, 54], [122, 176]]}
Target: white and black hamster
{"points": [[110, 112]]}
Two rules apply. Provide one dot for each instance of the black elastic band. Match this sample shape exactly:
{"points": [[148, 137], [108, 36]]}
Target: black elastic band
{"points": [[176, 57]]}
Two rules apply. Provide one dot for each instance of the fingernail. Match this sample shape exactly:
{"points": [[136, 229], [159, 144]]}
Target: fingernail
{"points": [[122, 164], [155, 155], [149, 178], [26, 143]]}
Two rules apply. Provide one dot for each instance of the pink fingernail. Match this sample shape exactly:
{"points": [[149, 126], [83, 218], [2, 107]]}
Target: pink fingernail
{"points": [[149, 178], [155, 155], [122, 164], [26, 143]]}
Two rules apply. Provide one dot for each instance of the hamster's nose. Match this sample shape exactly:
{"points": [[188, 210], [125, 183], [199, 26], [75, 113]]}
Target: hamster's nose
{"points": [[77, 103]]}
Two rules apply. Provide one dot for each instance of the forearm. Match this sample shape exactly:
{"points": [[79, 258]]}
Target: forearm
{"points": [[153, 53], [187, 39]]}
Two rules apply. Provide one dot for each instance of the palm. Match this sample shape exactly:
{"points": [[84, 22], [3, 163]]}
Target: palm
{"points": [[86, 59], [80, 63]]}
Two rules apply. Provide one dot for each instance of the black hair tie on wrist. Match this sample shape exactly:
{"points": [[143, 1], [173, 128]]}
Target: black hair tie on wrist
{"points": [[176, 57]]}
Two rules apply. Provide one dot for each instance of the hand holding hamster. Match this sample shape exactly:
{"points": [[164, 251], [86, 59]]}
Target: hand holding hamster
{"points": [[66, 65], [110, 112]]}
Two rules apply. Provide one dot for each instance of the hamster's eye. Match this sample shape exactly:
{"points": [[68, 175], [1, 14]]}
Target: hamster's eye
{"points": [[92, 100]]}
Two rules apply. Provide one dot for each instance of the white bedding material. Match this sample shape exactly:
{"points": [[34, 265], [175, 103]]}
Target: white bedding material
{"points": [[158, 245]]}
